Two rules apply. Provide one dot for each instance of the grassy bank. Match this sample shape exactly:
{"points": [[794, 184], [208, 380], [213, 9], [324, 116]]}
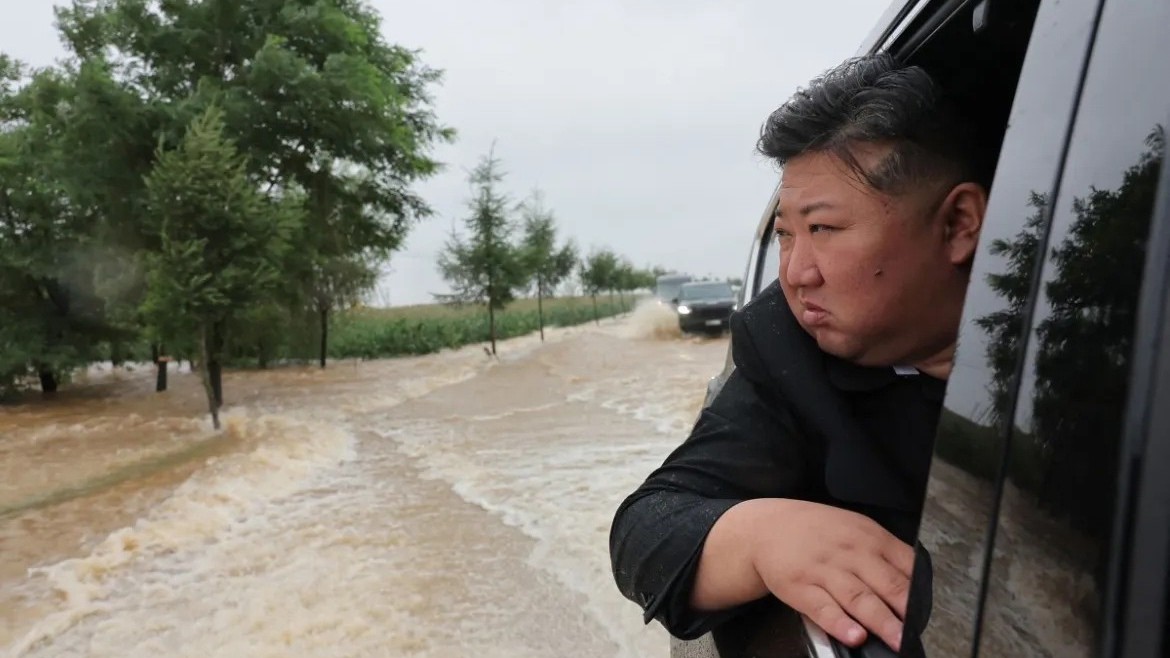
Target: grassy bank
{"points": [[373, 333]]}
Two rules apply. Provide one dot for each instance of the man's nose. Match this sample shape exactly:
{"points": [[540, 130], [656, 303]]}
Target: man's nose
{"points": [[800, 266]]}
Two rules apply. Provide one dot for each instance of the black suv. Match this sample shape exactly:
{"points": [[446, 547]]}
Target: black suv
{"points": [[705, 306], [1047, 513]]}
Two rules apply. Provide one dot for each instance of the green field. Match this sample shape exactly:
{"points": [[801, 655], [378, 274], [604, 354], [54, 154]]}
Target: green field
{"points": [[371, 333]]}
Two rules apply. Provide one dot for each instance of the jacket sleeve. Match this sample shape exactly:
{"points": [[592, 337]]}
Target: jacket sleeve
{"points": [[744, 445]]}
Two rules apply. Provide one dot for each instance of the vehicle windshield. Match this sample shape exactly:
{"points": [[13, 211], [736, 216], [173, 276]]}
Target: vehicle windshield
{"points": [[701, 291], [668, 288]]}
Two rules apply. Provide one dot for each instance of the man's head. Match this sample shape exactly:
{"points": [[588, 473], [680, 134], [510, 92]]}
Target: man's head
{"points": [[881, 202]]}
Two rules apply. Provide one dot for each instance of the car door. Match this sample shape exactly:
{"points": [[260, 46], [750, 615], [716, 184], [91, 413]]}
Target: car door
{"points": [[972, 438], [1050, 570]]}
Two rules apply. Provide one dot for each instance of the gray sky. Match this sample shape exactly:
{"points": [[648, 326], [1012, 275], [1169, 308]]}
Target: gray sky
{"points": [[636, 118]]}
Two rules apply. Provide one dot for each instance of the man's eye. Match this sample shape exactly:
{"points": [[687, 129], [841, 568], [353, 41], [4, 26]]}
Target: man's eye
{"points": [[819, 228], [781, 234]]}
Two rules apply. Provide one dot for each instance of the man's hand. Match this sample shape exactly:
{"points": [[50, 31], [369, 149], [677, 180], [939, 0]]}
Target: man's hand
{"points": [[839, 568]]}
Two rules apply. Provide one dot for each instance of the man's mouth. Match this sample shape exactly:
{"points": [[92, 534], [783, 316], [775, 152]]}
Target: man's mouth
{"points": [[813, 315]]}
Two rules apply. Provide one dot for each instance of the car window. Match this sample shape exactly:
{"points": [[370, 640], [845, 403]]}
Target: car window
{"points": [[696, 291], [962, 487], [770, 264], [1046, 583]]}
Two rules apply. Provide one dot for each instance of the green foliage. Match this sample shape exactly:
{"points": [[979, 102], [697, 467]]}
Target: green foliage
{"points": [[599, 271], [371, 334], [545, 264], [332, 124], [485, 267], [48, 291], [222, 243]]}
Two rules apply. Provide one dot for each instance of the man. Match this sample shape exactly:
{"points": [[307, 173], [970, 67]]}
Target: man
{"points": [[804, 478]]}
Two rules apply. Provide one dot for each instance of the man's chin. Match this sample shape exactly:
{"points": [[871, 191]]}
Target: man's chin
{"points": [[844, 348]]}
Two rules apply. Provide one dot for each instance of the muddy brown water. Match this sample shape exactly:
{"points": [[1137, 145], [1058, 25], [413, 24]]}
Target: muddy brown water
{"points": [[447, 505]]}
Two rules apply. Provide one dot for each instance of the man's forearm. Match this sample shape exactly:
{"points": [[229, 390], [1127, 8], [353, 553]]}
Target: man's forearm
{"points": [[727, 575]]}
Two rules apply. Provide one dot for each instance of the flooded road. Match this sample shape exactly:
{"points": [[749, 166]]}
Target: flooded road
{"points": [[448, 505]]}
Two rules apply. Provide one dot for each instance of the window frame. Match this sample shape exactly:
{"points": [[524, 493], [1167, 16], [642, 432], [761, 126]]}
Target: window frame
{"points": [[752, 280]]}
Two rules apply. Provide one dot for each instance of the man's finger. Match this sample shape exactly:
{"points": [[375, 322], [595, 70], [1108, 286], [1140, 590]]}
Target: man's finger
{"points": [[862, 604], [899, 554], [819, 606], [887, 581]]}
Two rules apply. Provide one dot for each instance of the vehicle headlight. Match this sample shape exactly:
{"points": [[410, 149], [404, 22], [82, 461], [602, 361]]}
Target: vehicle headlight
{"points": [[684, 310]]}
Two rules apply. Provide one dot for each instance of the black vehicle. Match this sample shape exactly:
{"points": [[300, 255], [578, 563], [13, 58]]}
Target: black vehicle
{"points": [[705, 306], [1047, 512]]}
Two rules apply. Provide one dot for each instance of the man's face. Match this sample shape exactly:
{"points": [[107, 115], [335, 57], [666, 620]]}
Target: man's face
{"points": [[874, 278]]}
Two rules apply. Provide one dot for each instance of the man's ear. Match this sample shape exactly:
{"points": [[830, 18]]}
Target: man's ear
{"points": [[962, 216]]}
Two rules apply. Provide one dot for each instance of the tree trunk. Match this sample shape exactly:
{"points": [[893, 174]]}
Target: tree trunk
{"points": [[262, 355], [214, 367], [492, 327], [160, 381], [48, 381], [595, 317], [116, 357], [205, 376], [622, 298], [324, 313], [540, 307]]}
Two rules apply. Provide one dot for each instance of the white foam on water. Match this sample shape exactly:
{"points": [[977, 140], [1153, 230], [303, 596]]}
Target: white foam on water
{"points": [[225, 493], [651, 319], [227, 503], [348, 565], [561, 491], [558, 471], [284, 548]]}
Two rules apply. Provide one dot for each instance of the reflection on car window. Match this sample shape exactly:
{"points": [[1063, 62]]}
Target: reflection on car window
{"points": [[968, 448], [1046, 580]]}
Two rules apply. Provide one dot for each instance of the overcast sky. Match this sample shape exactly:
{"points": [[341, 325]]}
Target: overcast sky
{"points": [[637, 118]]}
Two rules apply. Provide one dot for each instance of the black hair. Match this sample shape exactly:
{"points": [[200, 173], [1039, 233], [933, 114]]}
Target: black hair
{"points": [[873, 99]]}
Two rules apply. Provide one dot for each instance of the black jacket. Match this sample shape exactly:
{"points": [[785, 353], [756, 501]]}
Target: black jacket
{"points": [[790, 422]]}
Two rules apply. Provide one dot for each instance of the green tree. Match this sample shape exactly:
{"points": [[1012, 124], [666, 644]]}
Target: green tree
{"points": [[222, 245], [310, 92], [53, 318], [485, 268], [629, 279], [545, 264], [338, 282], [1005, 327], [598, 273]]}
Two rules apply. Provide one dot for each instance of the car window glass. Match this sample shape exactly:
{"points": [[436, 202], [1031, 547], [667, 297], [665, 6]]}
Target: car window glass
{"points": [[1046, 580], [706, 291], [770, 263], [968, 448]]}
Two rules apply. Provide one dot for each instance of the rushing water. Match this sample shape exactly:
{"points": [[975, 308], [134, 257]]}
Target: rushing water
{"points": [[448, 505]]}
